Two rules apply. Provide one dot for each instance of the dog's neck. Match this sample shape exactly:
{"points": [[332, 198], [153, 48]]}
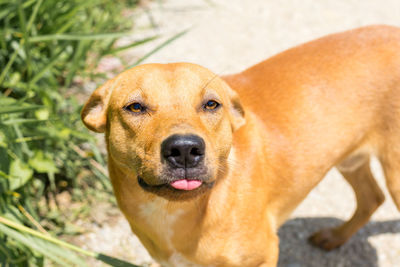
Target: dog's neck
{"points": [[169, 229]]}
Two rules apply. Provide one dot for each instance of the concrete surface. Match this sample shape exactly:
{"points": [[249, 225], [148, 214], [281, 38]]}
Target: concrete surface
{"points": [[230, 35]]}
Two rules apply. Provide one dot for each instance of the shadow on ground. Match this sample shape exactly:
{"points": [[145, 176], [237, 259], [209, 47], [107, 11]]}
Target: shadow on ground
{"points": [[295, 251]]}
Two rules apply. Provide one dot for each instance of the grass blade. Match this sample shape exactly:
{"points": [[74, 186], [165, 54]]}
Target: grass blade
{"points": [[21, 121], [25, 33], [137, 43], [114, 262], [159, 47], [102, 257], [50, 64], [77, 37], [8, 66], [33, 15], [15, 109], [51, 253]]}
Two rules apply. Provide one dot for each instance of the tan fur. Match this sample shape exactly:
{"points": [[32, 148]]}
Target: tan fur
{"points": [[333, 101]]}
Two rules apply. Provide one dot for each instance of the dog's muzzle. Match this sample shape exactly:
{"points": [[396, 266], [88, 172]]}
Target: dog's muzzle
{"points": [[184, 171], [184, 157]]}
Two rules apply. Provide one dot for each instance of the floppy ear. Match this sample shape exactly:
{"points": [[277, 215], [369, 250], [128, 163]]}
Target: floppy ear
{"points": [[236, 110], [94, 112]]}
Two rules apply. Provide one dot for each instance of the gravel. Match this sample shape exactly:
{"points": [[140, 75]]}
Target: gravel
{"points": [[229, 35]]}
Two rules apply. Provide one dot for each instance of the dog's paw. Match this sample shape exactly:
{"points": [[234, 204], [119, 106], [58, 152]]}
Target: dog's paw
{"points": [[327, 239]]}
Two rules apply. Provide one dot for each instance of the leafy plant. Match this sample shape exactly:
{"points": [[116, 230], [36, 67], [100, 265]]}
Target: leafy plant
{"points": [[44, 148]]}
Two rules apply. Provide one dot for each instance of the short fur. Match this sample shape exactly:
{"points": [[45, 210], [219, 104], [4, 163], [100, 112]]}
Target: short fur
{"points": [[288, 120]]}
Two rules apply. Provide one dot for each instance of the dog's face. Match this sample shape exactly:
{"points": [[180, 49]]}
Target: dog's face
{"points": [[171, 125]]}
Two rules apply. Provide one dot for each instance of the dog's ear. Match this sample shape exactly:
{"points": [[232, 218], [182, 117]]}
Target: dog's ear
{"points": [[94, 112], [236, 110]]}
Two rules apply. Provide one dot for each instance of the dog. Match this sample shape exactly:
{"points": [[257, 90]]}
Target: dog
{"points": [[206, 168]]}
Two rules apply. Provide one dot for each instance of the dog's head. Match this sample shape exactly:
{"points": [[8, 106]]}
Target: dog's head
{"points": [[171, 125]]}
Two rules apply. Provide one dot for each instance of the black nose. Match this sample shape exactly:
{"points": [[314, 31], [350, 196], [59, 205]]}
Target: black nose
{"points": [[183, 151]]}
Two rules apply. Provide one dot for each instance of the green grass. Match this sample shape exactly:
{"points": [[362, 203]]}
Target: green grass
{"points": [[44, 148]]}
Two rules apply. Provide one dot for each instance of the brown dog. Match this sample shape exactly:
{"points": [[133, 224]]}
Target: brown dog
{"points": [[206, 179]]}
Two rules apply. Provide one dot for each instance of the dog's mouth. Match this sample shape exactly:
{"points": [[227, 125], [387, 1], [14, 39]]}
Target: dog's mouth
{"points": [[177, 189]]}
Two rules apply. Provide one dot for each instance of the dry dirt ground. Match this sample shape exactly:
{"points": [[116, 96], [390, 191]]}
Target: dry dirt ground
{"points": [[228, 36]]}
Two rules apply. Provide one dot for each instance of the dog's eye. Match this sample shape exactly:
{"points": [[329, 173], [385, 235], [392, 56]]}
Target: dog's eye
{"points": [[211, 104], [136, 107]]}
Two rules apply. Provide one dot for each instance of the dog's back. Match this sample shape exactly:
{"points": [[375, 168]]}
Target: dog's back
{"points": [[335, 100]]}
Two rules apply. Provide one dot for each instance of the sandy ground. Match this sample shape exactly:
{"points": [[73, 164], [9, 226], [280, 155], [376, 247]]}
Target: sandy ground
{"points": [[230, 35]]}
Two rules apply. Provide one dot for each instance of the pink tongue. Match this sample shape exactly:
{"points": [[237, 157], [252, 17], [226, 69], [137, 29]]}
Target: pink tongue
{"points": [[185, 184]]}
